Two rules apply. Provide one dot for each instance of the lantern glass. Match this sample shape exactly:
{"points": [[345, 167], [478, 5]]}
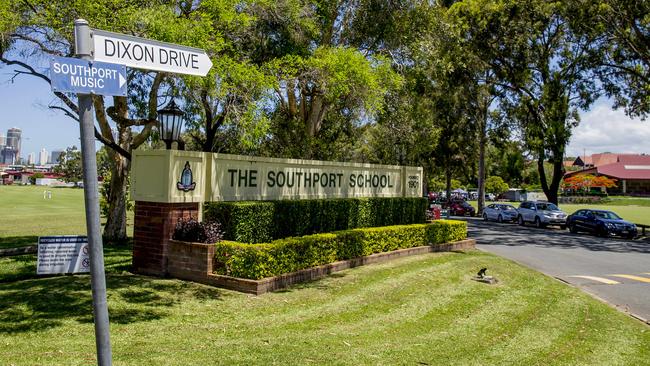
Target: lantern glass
{"points": [[171, 121]]}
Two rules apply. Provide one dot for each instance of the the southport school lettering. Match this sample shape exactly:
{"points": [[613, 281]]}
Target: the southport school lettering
{"points": [[305, 179]]}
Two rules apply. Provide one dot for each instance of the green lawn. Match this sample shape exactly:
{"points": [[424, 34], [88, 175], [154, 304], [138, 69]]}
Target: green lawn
{"points": [[629, 201], [422, 310], [26, 215]]}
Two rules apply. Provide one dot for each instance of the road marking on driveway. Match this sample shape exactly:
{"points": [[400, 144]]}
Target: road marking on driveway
{"points": [[606, 281], [631, 277]]}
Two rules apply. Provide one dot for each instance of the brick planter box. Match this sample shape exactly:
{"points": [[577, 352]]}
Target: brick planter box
{"points": [[193, 261]]}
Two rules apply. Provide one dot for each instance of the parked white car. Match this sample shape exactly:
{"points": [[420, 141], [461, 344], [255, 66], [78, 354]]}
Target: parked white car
{"points": [[500, 212], [541, 214]]}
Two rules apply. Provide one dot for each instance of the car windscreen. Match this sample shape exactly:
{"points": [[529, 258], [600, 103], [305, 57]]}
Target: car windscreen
{"points": [[547, 207], [606, 215]]}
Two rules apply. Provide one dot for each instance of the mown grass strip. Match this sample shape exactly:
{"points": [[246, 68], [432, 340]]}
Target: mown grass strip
{"points": [[415, 310]]}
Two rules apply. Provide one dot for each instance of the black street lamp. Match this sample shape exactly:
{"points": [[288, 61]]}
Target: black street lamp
{"points": [[170, 121]]}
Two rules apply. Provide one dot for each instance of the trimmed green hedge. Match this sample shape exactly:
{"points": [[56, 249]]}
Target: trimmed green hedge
{"points": [[256, 261], [263, 221]]}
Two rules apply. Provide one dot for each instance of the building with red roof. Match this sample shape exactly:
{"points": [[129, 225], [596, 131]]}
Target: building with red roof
{"points": [[632, 172]]}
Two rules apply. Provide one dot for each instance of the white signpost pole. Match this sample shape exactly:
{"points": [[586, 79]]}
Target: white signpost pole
{"points": [[83, 49]]}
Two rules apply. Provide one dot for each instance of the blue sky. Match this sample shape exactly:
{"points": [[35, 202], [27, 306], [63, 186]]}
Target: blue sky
{"points": [[24, 102]]}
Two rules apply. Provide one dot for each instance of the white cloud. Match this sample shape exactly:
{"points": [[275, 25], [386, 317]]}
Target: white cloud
{"points": [[603, 129]]}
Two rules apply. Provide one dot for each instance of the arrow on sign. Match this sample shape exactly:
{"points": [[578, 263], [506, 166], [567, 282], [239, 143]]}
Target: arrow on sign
{"points": [[142, 53], [73, 75]]}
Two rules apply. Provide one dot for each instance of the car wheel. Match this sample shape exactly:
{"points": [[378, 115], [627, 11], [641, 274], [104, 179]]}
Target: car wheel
{"points": [[538, 223], [573, 228], [485, 217], [500, 219], [602, 232], [631, 236], [520, 220]]}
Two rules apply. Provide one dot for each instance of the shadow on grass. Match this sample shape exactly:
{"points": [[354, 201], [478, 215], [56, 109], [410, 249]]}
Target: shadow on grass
{"points": [[17, 241], [37, 305], [117, 259], [33, 303]]}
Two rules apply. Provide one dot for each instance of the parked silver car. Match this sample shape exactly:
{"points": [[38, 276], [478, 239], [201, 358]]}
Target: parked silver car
{"points": [[541, 214], [500, 212]]}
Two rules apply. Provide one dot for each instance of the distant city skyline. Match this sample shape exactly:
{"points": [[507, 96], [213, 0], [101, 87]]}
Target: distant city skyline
{"points": [[24, 105]]}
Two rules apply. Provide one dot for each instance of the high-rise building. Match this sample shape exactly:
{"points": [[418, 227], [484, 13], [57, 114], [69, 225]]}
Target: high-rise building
{"points": [[14, 141], [8, 155], [43, 157], [3, 141], [54, 159], [31, 159]]}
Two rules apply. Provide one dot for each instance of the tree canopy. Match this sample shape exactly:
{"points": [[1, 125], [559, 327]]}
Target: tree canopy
{"points": [[466, 89]]}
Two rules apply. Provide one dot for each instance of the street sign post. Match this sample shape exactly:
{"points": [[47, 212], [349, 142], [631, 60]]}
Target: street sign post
{"points": [[83, 49], [73, 75], [85, 76], [142, 53]]}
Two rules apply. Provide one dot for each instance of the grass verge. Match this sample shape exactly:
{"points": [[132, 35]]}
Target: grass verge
{"points": [[26, 215], [416, 310]]}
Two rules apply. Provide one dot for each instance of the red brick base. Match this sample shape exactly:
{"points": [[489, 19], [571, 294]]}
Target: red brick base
{"points": [[154, 226]]}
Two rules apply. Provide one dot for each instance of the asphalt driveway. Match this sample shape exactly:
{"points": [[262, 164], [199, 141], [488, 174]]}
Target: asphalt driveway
{"points": [[615, 270]]}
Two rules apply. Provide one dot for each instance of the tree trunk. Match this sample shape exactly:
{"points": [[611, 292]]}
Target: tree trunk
{"points": [[448, 182], [481, 161], [316, 113], [115, 229], [481, 176], [558, 174], [550, 190], [291, 98]]}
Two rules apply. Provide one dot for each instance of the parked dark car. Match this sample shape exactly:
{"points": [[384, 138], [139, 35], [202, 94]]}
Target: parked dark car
{"points": [[601, 223], [461, 208]]}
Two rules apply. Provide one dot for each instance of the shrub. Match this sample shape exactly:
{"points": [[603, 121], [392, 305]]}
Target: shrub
{"points": [[287, 255], [199, 232], [259, 222]]}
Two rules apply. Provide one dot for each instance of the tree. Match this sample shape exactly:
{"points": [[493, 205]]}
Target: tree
{"points": [[331, 83], [31, 31], [70, 165], [543, 68], [228, 109], [506, 160], [332, 72], [621, 47], [33, 177], [584, 182], [496, 185]]}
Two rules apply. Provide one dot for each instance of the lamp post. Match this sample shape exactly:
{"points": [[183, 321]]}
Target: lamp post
{"points": [[170, 120]]}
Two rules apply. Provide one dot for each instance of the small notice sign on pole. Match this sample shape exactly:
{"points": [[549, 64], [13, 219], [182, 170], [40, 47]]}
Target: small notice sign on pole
{"points": [[62, 254]]}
